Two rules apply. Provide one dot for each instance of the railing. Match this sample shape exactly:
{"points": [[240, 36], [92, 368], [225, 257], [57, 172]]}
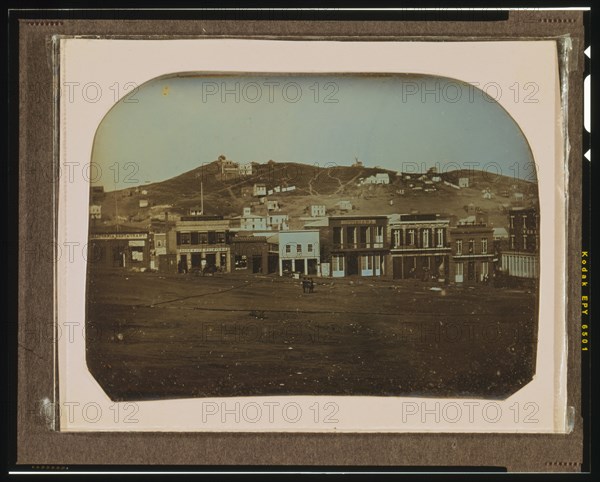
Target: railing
{"points": [[374, 245]]}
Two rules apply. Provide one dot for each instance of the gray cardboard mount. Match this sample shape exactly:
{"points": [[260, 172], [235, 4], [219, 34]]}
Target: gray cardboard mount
{"points": [[40, 446]]}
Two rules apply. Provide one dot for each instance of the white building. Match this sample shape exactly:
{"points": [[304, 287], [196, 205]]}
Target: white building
{"points": [[95, 211], [143, 203], [500, 234], [379, 178], [463, 182], [273, 205], [299, 252], [245, 169], [520, 265], [344, 205], [160, 243], [259, 190], [317, 210], [253, 222], [278, 222]]}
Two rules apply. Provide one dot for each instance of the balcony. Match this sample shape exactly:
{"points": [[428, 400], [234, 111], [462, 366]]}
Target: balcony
{"points": [[360, 246]]}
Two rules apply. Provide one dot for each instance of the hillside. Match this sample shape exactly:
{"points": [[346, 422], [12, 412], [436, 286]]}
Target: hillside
{"points": [[228, 194]]}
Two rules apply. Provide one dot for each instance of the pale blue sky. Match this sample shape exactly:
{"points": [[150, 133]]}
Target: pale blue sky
{"points": [[181, 122]]}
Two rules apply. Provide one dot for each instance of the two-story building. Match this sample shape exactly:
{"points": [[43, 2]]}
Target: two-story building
{"points": [[472, 253], [255, 254], [245, 169], [379, 178], [278, 221], [521, 258], [119, 247], [359, 245], [203, 242], [259, 189], [299, 252], [317, 210], [253, 220], [95, 211], [419, 246]]}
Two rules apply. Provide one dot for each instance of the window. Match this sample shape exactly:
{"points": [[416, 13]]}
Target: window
{"points": [[397, 235], [338, 263], [299, 248], [363, 236], [288, 248], [184, 238], [439, 235], [411, 237], [337, 236], [524, 241], [241, 261], [203, 238], [426, 238], [484, 245], [379, 236], [221, 237], [310, 248], [471, 246], [484, 268], [512, 241], [459, 247], [351, 235], [459, 269], [366, 263], [512, 222]]}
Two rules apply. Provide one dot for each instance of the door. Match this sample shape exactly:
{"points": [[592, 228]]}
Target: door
{"points": [[211, 260], [257, 264], [352, 264], [397, 267], [196, 259], [183, 263], [273, 260], [471, 271]]}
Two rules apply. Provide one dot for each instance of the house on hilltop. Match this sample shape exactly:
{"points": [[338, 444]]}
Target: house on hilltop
{"points": [[379, 178]]}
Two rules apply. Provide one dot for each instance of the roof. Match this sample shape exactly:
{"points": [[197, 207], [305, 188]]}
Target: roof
{"points": [[354, 216], [202, 217], [250, 239], [500, 233], [120, 228], [317, 223]]}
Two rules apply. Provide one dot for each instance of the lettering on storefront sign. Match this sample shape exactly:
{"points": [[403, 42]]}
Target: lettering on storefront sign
{"points": [[356, 222], [203, 250], [119, 236]]}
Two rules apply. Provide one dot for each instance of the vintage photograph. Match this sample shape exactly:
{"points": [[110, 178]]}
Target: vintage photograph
{"points": [[310, 236], [355, 235]]}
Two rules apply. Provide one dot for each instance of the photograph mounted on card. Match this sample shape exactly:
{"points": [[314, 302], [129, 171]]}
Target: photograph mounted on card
{"points": [[311, 236]]}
